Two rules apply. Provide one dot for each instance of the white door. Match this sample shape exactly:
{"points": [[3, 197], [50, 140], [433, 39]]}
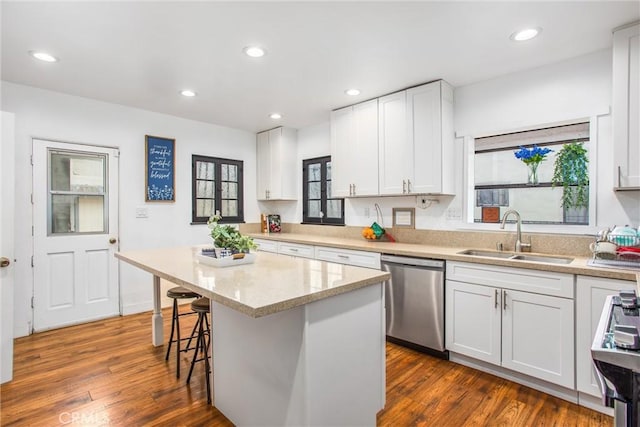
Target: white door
{"points": [[537, 336], [472, 324], [263, 165], [75, 214], [6, 246], [342, 152], [365, 156]]}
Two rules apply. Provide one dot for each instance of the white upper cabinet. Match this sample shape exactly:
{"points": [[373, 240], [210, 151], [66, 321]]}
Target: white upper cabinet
{"points": [[416, 140], [354, 150], [276, 164], [396, 151], [626, 107]]}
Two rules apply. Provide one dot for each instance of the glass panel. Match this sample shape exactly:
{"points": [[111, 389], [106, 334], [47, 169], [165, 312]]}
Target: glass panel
{"points": [[328, 189], [233, 173], [314, 190], [77, 214], [205, 189], [225, 172], [229, 190], [78, 173], [314, 209], [204, 207], [229, 208], [334, 208], [314, 172], [328, 170], [535, 205], [205, 170]]}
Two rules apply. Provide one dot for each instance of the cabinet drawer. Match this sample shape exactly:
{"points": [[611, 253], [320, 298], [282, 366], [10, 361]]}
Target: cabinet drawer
{"points": [[295, 249], [520, 279], [267, 245], [350, 257]]}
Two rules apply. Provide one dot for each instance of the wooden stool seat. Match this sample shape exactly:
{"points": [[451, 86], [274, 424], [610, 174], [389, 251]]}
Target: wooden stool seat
{"points": [[181, 293]]}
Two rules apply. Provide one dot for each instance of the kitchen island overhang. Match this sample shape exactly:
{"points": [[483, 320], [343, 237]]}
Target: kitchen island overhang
{"points": [[295, 341]]}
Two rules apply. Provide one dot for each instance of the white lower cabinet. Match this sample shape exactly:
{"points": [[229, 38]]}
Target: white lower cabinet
{"points": [[591, 293], [267, 245], [295, 249], [348, 256], [508, 325]]}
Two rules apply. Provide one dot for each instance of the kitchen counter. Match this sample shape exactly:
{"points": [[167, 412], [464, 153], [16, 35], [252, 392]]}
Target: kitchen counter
{"points": [[269, 285], [577, 266], [294, 341]]}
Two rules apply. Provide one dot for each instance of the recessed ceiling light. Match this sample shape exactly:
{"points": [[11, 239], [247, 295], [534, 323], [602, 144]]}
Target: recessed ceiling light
{"points": [[526, 34], [188, 92], [43, 56], [352, 92], [275, 116], [254, 51]]}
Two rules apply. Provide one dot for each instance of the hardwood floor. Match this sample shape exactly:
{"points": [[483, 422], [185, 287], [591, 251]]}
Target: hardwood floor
{"points": [[108, 373]]}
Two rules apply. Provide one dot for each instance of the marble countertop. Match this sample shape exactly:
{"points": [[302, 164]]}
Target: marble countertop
{"points": [[271, 284], [577, 266]]}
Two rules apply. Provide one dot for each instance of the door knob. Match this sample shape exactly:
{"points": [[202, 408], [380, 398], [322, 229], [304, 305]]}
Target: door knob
{"points": [[112, 240], [4, 262]]}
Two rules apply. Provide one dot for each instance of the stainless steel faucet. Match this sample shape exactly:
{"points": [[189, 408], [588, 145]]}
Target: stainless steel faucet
{"points": [[520, 246]]}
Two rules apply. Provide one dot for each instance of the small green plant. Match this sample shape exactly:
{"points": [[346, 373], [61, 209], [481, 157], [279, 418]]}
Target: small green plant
{"points": [[228, 237], [572, 172]]}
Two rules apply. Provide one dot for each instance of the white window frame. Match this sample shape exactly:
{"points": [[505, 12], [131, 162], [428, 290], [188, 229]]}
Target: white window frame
{"points": [[467, 222]]}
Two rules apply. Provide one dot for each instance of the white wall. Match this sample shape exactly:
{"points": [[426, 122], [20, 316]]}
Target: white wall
{"points": [[579, 88], [50, 115]]}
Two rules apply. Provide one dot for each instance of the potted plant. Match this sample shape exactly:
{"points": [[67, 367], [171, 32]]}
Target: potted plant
{"points": [[532, 157], [572, 172], [228, 237]]}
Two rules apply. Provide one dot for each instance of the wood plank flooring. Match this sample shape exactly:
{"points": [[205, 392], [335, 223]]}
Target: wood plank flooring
{"points": [[108, 373]]}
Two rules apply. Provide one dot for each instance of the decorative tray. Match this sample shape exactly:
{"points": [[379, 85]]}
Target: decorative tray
{"points": [[227, 261]]}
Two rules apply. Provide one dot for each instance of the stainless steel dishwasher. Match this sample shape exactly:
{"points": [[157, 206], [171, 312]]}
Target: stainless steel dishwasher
{"points": [[415, 303]]}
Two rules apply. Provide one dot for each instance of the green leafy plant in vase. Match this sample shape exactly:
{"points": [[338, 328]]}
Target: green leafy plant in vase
{"points": [[571, 171], [228, 237]]}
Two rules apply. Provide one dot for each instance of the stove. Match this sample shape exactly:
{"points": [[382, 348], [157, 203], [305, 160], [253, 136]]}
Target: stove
{"points": [[616, 355]]}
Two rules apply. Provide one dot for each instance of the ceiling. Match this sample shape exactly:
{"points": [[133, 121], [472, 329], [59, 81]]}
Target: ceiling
{"points": [[142, 54]]}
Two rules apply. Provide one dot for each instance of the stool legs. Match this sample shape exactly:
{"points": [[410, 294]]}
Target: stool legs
{"points": [[202, 345]]}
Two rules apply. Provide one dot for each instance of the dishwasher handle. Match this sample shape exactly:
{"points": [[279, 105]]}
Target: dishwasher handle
{"points": [[434, 264]]}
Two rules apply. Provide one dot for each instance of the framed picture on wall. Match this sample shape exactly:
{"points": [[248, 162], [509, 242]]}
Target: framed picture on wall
{"points": [[159, 160]]}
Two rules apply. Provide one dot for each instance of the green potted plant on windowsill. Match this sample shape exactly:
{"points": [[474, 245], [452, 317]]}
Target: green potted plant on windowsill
{"points": [[571, 171], [228, 237]]}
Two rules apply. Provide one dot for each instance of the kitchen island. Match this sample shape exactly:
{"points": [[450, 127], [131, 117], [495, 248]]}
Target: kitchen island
{"points": [[294, 341]]}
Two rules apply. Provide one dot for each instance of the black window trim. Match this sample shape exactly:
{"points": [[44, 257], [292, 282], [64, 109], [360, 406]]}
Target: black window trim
{"points": [[323, 194], [218, 188]]}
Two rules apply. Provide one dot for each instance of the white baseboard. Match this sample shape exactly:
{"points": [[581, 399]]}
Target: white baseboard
{"points": [[594, 403], [137, 307], [534, 383]]}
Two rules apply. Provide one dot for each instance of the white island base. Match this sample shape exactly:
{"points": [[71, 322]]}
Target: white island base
{"points": [[322, 363]]}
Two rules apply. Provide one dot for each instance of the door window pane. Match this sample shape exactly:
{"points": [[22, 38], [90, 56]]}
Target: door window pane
{"points": [[314, 190], [76, 192], [314, 172], [77, 214]]}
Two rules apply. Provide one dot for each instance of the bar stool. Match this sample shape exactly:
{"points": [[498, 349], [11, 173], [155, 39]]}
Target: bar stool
{"points": [[179, 293], [201, 306]]}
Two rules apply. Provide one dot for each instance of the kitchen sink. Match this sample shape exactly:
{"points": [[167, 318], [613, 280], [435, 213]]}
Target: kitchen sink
{"points": [[490, 254], [542, 258], [517, 256]]}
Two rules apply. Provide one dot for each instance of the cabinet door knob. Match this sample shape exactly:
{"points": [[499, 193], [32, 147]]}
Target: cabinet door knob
{"points": [[504, 300], [4, 262], [408, 186], [112, 240], [496, 296]]}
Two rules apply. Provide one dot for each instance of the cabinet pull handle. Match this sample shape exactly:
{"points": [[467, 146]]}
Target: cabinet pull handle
{"points": [[404, 186], [408, 186], [293, 249], [619, 177], [354, 189], [496, 297], [504, 300], [343, 256]]}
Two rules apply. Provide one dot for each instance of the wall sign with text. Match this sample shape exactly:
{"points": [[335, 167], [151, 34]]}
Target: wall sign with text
{"points": [[160, 169]]}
